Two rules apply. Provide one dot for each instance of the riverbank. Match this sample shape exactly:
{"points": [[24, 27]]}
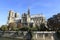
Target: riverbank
{"points": [[6, 38], [22, 35]]}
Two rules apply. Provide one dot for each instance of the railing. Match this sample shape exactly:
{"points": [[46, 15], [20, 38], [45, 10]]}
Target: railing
{"points": [[43, 35]]}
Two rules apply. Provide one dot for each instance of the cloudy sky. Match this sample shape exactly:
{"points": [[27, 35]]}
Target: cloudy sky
{"points": [[46, 7]]}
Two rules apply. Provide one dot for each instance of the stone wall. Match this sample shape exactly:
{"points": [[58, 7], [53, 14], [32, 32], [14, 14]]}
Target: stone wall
{"points": [[36, 35]]}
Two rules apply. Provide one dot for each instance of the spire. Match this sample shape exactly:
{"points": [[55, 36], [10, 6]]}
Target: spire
{"points": [[28, 11]]}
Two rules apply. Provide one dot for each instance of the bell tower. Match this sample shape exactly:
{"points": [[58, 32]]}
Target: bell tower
{"points": [[11, 17], [28, 16], [28, 11]]}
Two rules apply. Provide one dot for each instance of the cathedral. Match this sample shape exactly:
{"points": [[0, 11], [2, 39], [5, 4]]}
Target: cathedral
{"points": [[26, 20], [12, 17]]}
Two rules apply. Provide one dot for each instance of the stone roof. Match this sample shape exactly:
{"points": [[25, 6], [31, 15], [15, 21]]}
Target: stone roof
{"points": [[37, 15]]}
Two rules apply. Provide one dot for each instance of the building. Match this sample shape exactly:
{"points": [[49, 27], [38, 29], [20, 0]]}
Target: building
{"points": [[38, 19], [26, 18], [11, 17], [13, 20]]}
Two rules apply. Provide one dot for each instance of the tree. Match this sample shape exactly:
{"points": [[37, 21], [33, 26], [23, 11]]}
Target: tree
{"points": [[42, 27], [4, 28], [24, 28], [19, 25], [34, 28], [54, 22], [12, 26]]}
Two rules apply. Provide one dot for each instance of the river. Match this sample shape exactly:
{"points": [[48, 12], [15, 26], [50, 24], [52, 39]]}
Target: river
{"points": [[8, 39]]}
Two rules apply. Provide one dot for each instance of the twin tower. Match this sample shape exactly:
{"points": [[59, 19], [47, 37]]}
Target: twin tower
{"points": [[26, 19], [11, 17]]}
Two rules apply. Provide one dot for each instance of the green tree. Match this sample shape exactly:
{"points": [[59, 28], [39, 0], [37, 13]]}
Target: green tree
{"points": [[12, 26], [24, 28], [4, 28], [34, 28], [54, 22], [42, 27]]}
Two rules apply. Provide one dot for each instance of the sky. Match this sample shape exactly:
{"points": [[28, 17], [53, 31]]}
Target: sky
{"points": [[46, 7]]}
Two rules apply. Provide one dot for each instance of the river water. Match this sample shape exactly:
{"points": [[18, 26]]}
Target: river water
{"points": [[8, 39]]}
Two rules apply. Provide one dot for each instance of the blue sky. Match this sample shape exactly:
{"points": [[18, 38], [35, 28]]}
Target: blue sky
{"points": [[46, 7]]}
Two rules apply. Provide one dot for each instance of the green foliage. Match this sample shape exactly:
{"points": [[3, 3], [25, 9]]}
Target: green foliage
{"points": [[4, 28], [54, 22], [24, 28], [34, 29], [14, 28], [42, 27]]}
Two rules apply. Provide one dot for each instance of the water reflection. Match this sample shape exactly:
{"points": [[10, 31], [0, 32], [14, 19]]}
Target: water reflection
{"points": [[9, 39]]}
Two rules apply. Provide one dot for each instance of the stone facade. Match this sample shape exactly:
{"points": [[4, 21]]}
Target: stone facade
{"points": [[12, 17], [38, 19], [26, 19], [34, 19]]}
